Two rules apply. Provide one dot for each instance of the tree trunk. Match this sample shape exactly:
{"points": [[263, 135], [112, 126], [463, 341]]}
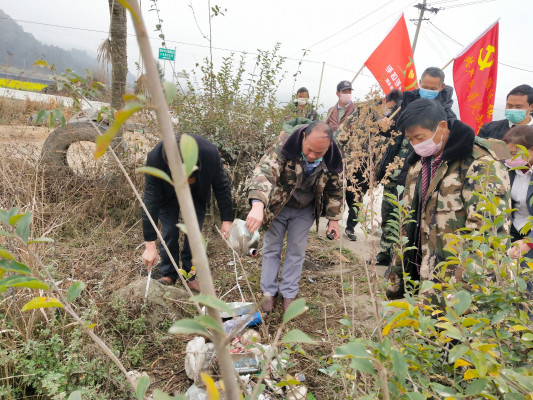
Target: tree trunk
{"points": [[119, 57]]}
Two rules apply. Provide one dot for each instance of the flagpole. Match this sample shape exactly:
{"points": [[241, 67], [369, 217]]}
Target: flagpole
{"points": [[358, 72], [394, 113], [320, 84], [448, 63]]}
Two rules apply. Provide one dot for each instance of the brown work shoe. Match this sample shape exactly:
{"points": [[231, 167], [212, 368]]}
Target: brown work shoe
{"points": [[269, 303], [287, 302], [194, 285], [167, 280]]}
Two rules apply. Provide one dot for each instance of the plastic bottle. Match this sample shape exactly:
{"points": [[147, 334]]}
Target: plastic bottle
{"points": [[242, 241]]}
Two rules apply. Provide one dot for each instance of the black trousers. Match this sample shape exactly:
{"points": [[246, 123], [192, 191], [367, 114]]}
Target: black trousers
{"points": [[169, 217], [361, 184]]}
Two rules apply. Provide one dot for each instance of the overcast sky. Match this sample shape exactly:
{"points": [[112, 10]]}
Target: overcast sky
{"points": [[341, 34]]}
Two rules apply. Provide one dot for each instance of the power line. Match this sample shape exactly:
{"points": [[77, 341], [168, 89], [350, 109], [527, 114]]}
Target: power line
{"points": [[467, 4], [348, 26], [445, 34], [365, 29]]}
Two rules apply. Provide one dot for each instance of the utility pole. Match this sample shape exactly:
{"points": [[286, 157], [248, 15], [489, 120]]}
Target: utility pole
{"points": [[422, 7]]}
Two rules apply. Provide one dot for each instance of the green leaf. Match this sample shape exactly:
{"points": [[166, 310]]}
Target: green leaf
{"points": [[22, 281], [346, 322], [189, 153], [363, 365], [74, 290], [212, 302], [103, 141], [399, 365], [442, 390], [75, 395], [23, 225], [415, 396], [170, 91], [456, 352], [297, 307], [155, 172], [426, 285], [527, 337], [5, 233], [142, 387], [41, 240], [41, 116], [296, 336], [476, 387], [41, 302], [210, 323], [6, 254], [352, 349], [464, 300], [14, 266], [187, 327]]}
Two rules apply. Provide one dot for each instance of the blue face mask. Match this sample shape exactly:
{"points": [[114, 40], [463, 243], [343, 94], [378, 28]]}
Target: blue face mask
{"points": [[428, 94], [515, 116], [311, 162]]}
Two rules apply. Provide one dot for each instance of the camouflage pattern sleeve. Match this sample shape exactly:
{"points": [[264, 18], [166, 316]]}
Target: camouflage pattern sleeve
{"points": [[333, 197], [485, 176], [266, 174]]}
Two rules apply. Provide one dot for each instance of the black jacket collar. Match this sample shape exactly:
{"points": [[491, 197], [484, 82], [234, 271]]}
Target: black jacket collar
{"points": [[459, 145], [292, 150]]}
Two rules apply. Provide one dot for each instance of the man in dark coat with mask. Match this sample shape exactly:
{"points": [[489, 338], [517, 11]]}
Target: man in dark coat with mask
{"points": [[432, 87]]}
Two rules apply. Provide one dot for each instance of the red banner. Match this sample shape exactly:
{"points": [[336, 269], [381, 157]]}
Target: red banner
{"points": [[392, 62], [474, 77]]}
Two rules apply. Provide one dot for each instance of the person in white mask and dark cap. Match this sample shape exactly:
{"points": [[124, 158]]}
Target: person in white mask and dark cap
{"points": [[344, 107]]}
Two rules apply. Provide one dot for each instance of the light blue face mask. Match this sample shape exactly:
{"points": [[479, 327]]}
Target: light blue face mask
{"points": [[311, 162], [428, 94], [515, 116]]}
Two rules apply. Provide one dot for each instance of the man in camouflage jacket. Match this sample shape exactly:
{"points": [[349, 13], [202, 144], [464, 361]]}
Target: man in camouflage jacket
{"points": [[441, 186], [298, 179]]}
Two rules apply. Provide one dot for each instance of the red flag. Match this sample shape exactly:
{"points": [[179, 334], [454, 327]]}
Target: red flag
{"points": [[392, 62], [474, 77]]}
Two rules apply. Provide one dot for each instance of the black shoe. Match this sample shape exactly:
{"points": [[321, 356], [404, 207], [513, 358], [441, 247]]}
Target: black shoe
{"points": [[350, 234], [383, 259]]}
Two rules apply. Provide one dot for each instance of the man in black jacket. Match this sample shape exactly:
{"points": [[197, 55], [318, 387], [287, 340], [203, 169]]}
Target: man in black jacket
{"points": [[162, 204], [518, 108]]}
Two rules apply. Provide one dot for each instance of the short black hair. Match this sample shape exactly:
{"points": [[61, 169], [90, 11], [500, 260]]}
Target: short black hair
{"points": [[422, 112], [520, 134], [394, 95], [302, 90], [522, 90], [319, 126], [435, 73]]}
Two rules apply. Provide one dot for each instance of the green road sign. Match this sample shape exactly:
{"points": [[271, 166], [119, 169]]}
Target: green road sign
{"points": [[166, 54]]}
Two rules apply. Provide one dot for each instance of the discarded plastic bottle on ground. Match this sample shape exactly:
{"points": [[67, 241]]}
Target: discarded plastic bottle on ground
{"points": [[242, 241], [231, 324]]}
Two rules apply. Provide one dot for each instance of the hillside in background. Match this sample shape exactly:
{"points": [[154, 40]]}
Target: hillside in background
{"points": [[20, 49]]}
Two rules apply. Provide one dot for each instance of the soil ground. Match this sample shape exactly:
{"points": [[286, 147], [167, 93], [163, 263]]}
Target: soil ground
{"points": [[334, 284]]}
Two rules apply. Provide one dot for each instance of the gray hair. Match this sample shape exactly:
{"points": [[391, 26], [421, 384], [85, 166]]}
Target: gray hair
{"points": [[435, 73]]}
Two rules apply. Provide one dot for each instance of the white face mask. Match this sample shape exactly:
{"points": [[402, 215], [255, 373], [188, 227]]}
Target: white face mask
{"points": [[302, 101], [346, 98]]}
